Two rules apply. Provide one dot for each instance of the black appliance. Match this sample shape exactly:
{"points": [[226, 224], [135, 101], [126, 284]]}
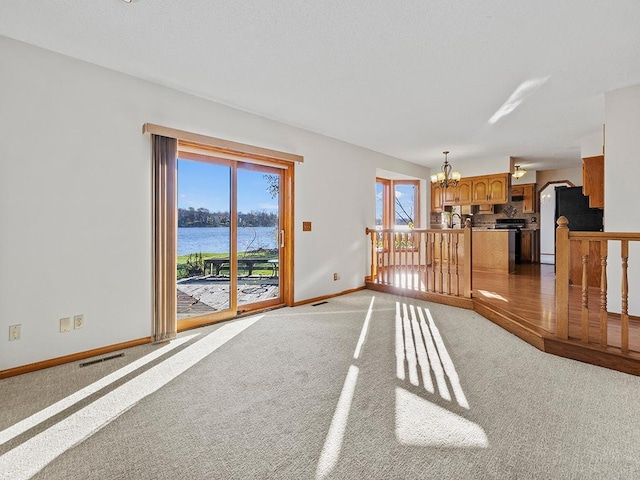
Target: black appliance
{"points": [[571, 203], [516, 224]]}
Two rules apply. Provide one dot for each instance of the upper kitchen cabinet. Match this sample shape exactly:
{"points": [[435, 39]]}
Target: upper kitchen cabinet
{"points": [[527, 192], [437, 199], [460, 195], [593, 180], [493, 189], [465, 191]]}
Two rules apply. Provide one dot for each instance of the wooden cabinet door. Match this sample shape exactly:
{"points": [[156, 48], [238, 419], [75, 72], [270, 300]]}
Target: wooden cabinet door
{"points": [[529, 198], [526, 246], [593, 180], [464, 192], [480, 191], [498, 189], [436, 199], [450, 195]]}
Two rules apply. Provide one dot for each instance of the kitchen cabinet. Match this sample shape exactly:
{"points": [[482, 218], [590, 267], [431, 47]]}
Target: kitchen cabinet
{"points": [[529, 198], [593, 180], [437, 197], [529, 246], [492, 189], [494, 250], [528, 193], [450, 195], [484, 208], [460, 195], [464, 192], [484, 191]]}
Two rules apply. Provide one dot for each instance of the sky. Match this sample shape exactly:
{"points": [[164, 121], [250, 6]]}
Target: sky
{"points": [[206, 185]]}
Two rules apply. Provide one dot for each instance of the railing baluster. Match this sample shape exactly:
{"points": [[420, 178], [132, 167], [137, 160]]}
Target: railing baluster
{"points": [[456, 257], [449, 256], [468, 283], [441, 263], [387, 264], [624, 317], [420, 260], [433, 262], [585, 290], [603, 293]]}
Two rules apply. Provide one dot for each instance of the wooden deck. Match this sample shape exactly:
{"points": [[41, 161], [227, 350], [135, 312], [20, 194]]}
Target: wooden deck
{"points": [[524, 304]]}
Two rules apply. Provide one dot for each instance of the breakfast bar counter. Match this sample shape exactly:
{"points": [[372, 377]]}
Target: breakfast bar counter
{"points": [[494, 250]]}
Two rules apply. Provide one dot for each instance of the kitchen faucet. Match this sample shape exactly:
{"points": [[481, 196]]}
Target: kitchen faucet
{"points": [[458, 215]]}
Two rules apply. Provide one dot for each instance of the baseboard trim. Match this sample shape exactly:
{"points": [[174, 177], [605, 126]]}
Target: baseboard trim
{"points": [[32, 367], [324, 297]]}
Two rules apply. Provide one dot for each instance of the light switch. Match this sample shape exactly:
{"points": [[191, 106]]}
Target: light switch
{"points": [[306, 226]]}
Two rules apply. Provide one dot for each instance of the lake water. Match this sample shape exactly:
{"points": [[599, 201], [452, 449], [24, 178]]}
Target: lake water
{"points": [[216, 239]]}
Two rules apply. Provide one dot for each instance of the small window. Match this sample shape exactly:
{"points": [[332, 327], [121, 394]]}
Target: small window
{"points": [[397, 203], [406, 204]]}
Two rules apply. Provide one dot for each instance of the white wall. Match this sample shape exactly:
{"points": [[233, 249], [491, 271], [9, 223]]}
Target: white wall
{"points": [[75, 199], [622, 154], [592, 145], [572, 174], [479, 166]]}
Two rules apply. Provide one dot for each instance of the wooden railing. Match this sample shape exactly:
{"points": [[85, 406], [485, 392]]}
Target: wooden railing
{"points": [[431, 261], [581, 279]]}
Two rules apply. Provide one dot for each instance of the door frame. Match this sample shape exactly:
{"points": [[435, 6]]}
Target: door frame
{"points": [[165, 216], [285, 223]]}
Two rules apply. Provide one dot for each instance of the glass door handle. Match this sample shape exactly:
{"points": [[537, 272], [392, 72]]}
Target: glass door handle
{"points": [[281, 238]]}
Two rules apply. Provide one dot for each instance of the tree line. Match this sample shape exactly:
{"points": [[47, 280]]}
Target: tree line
{"points": [[202, 217]]}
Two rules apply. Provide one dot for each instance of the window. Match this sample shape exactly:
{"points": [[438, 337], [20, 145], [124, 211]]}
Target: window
{"points": [[398, 200], [406, 206]]}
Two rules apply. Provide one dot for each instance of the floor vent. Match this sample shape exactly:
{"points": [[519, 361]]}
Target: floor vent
{"points": [[100, 360], [320, 303]]}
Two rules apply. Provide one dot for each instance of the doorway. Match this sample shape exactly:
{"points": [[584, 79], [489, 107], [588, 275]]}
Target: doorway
{"points": [[548, 220], [231, 237]]}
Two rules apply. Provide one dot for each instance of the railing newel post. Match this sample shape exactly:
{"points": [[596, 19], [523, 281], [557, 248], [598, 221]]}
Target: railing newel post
{"points": [[562, 278]]}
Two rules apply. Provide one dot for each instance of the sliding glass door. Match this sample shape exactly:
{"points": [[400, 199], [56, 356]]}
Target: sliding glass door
{"points": [[229, 237], [259, 235]]}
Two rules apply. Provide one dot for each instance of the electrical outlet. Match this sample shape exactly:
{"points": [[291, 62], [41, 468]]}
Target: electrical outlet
{"points": [[14, 332], [65, 324], [78, 321], [336, 276]]}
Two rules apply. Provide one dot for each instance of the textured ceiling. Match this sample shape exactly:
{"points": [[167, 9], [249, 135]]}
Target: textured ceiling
{"points": [[409, 79]]}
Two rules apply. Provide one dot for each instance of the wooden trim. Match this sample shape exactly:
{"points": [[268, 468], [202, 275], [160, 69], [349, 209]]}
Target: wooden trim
{"points": [[220, 145], [32, 367], [287, 206], [453, 301], [608, 358], [601, 236], [533, 336], [324, 297], [392, 203], [554, 182], [386, 189]]}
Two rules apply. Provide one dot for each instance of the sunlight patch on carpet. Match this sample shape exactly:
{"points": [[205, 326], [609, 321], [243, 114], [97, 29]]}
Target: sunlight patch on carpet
{"points": [[39, 417], [335, 436], [27, 459], [424, 424]]}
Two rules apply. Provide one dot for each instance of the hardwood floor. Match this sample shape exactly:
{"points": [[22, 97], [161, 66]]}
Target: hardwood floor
{"points": [[524, 304]]}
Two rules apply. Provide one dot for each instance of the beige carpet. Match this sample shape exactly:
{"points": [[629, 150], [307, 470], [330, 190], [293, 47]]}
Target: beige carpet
{"points": [[348, 389]]}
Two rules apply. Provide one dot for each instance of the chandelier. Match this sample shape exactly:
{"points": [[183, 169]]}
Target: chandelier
{"points": [[518, 172], [446, 178]]}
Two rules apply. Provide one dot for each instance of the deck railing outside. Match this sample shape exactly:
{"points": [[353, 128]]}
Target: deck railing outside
{"points": [[431, 261], [581, 259]]}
